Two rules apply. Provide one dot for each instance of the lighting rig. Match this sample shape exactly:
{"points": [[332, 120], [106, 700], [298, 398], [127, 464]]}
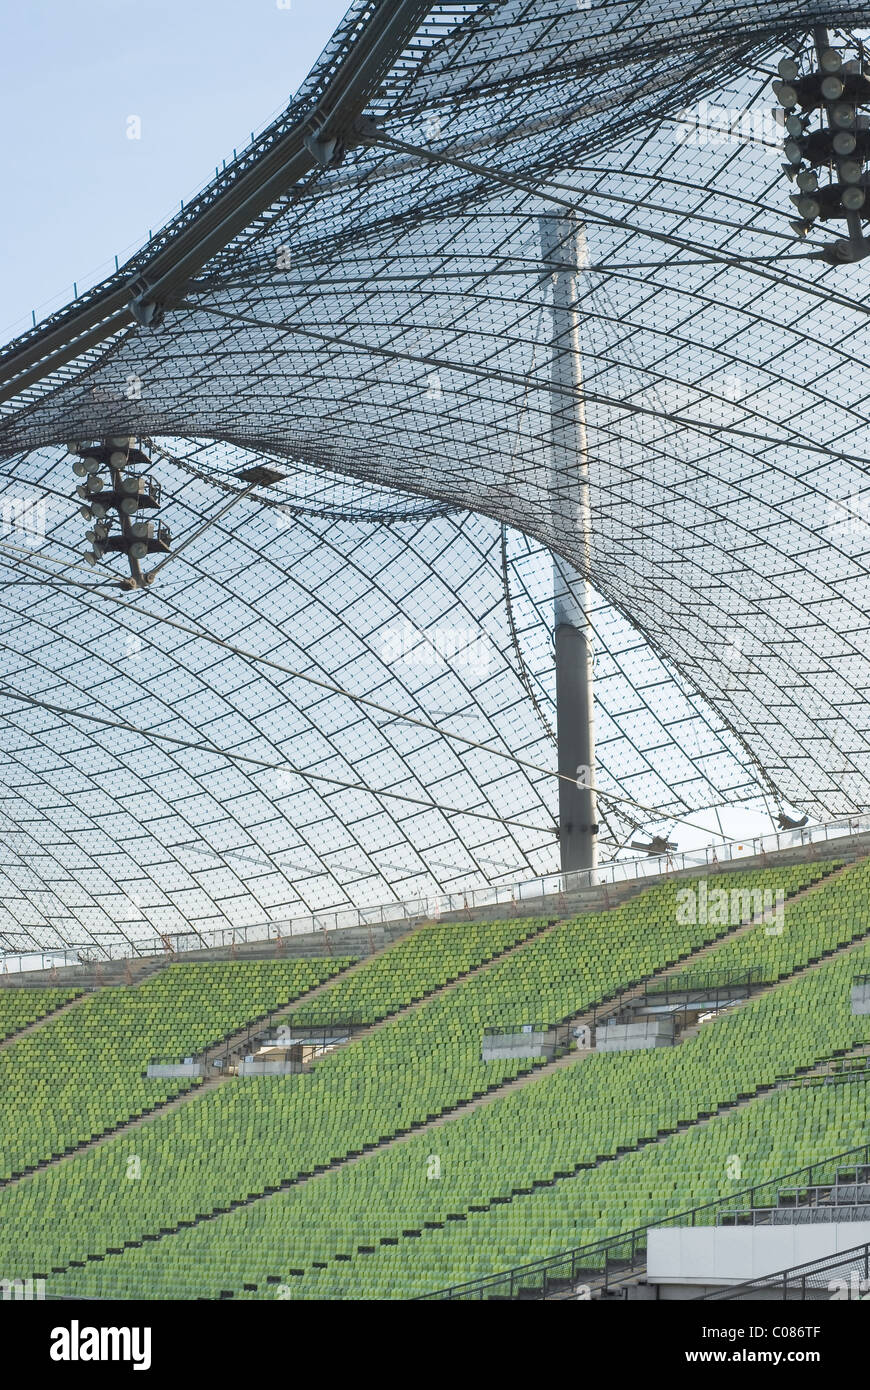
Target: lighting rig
{"points": [[827, 141], [111, 487], [658, 845]]}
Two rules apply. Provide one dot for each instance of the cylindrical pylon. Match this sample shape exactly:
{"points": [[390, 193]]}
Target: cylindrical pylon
{"points": [[563, 245]]}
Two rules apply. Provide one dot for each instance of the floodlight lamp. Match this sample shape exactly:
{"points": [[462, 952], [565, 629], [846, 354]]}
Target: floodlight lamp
{"points": [[786, 95], [852, 198], [807, 181], [807, 207], [95, 483], [832, 88], [843, 116], [657, 845], [129, 506], [122, 441], [130, 486], [793, 152], [138, 550], [86, 513], [79, 468], [801, 228], [794, 125], [117, 459], [851, 171], [830, 60], [787, 69], [844, 142], [97, 509]]}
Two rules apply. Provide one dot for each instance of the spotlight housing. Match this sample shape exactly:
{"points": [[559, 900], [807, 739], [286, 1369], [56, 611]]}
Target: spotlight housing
{"points": [[832, 88], [844, 142], [843, 116], [808, 208]]}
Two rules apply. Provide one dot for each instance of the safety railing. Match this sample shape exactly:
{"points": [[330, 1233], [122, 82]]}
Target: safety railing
{"points": [[518, 897], [611, 1260], [697, 981], [845, 1275]]}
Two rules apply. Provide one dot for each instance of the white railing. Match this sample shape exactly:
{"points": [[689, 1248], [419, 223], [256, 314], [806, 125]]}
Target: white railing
{"points": [[469, 900]]}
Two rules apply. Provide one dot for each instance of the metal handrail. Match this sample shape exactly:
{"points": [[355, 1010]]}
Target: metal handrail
{"points": [[572, 1263], [709, 979], [502, 1030], [798, 1277], [518, 897]]}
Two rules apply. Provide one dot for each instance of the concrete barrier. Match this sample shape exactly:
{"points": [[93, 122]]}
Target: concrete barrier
{"points": [[498, 1046], [627, 1037], [174, 1069], [684, 1261], [861, 999], [269, 1068]]}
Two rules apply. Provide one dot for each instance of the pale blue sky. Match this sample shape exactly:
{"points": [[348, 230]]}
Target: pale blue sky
{"points": [[201, 75]]}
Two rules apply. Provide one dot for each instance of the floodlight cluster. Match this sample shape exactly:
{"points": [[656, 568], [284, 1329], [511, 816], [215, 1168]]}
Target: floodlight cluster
{"points": [[828, 134], [124, 492]]}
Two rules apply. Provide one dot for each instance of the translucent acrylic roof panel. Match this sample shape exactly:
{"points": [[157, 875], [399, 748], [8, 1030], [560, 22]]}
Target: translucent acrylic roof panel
{"points": [[184, 755], [385, 330]]}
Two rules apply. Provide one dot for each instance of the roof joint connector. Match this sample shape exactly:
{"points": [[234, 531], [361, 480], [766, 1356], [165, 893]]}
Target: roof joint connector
{"points": [[328, 151], [144, 307], [366, 129]]}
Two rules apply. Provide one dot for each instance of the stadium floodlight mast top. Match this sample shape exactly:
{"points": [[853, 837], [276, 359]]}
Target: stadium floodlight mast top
{"points": [[837, 89]]}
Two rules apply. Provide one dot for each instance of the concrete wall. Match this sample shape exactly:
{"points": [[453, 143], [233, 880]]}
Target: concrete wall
{"points": [[269, 1068], [498, 1046], [174, 1069], [699, 1257], [627, 1037], [861, 999]]}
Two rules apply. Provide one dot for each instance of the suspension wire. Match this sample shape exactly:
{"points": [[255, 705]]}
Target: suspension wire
{"points": [[334, 689], [204, 746]]}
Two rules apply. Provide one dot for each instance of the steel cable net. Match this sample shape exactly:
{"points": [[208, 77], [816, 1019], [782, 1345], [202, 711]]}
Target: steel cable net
{"points": [[168, 770], [387, 331]]}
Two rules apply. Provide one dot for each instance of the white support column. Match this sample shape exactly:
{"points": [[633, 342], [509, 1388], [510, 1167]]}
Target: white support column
{"points": [[563, 248]]}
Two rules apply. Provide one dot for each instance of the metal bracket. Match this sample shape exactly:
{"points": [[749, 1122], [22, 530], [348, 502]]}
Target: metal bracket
{"points": [[145, 309], [329, 152], [366, 129], [842, 252]]}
